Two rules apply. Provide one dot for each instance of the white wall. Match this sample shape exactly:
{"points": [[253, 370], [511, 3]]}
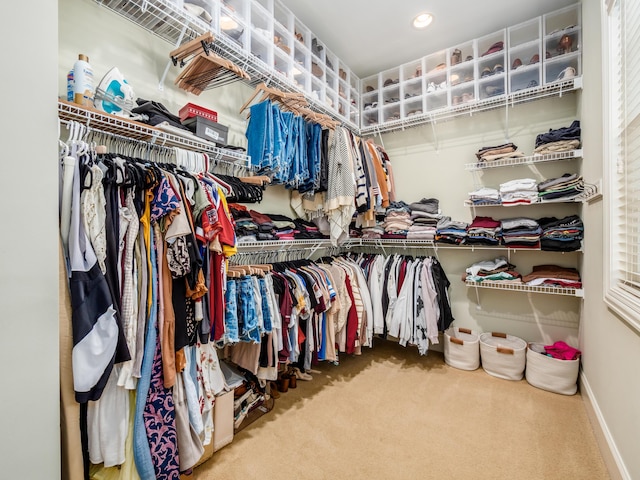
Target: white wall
{"points": [[612, 349], [29, 243]]}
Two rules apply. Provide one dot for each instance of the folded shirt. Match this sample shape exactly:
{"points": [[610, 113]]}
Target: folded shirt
{"points": [[485, 222], [567, 178], [428, 205], [499, 156], [485, 192], [519, 184], [572, 132], [519, 222], [487, 265], [556, 147], [497, 149]]}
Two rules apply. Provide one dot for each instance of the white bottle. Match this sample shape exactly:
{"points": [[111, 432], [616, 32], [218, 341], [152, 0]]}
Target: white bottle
{"points": [[83, 82]]}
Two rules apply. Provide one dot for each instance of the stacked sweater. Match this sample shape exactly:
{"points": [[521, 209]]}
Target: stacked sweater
{"points": [[483, 231], [553, 275], [451, 231], [246, 228], [497, 152], [485, 195], [522, 191], [559, 140], [565, 187], [561, 235], [304, 229], [521, 232], [496, 270], [397, 220], [425, 215]]}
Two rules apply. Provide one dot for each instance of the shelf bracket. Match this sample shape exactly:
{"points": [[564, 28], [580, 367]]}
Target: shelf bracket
{"points": [[170, 62], [506, 119], [435, 134], [478, 305]]}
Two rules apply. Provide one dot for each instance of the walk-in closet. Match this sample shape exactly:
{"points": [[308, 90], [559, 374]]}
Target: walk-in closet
{"points": [[298, 240]]}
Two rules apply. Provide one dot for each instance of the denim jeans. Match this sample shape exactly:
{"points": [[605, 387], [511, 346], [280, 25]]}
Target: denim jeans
{"points": [[279, 139], [301, 164], [313, 158], [266, 312], [258, 301], [247, 311], [286, 125], [260, 135], [230, 314]]}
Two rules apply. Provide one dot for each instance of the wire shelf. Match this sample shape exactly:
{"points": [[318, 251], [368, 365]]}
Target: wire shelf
{"points": [[374, 242], [140, 131], [510, 162], [283, 244], [590, 191], [469, 108], [175, 25], [519, 287], [163, 18]]}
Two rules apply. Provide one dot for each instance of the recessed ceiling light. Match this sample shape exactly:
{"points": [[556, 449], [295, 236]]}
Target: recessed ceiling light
{"points": [[422, 20], [228, 23]]}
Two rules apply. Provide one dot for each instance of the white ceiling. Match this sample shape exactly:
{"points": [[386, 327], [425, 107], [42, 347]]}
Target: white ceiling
{"points": [[373, 35]]}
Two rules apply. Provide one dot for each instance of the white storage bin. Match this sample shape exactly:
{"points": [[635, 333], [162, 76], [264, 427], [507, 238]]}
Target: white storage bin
{"points": [[502, 355], [552, 374], [462, 348]]}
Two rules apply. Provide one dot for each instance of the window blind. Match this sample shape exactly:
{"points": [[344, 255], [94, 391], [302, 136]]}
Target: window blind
{"points": [[623, 293]]}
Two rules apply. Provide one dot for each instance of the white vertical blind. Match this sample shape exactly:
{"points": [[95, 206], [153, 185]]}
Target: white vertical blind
{"points": [[623, 293]]}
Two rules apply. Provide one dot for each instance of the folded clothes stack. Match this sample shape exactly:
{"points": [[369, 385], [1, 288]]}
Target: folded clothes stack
{"points": [[426, 205], [246, 228], [498, 270], [397, 220], [497, 152], [521, 232], [254, 226], [372, 232], [485, 195], [561, 235], [553, 275], [451, 231], [284, 228], [559, 140], [565, 187], [522, 191], [305, 230], [483, 231], [266, 227], [424, 215], [421, 232]]}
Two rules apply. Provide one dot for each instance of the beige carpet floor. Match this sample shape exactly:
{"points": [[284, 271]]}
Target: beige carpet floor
{"points": [[391, 414]]}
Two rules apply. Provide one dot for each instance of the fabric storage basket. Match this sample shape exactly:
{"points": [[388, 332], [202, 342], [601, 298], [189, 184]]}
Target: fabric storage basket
{"points": [[502, 355], [552, 374], [462, 348]]}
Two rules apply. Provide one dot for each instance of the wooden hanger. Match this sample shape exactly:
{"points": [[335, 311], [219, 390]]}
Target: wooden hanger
{"points": [[272, 94], [256, 180], [192, 48], [205, 68]]}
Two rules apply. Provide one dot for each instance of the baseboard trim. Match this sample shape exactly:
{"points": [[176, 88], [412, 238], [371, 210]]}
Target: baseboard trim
{"points": [[608, 448]]}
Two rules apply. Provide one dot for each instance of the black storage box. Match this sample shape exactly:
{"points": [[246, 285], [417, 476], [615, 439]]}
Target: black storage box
{"points": [[204, 128]]}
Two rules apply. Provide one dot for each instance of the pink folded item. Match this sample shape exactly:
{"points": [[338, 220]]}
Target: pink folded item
{"points": [[562, 351]]}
